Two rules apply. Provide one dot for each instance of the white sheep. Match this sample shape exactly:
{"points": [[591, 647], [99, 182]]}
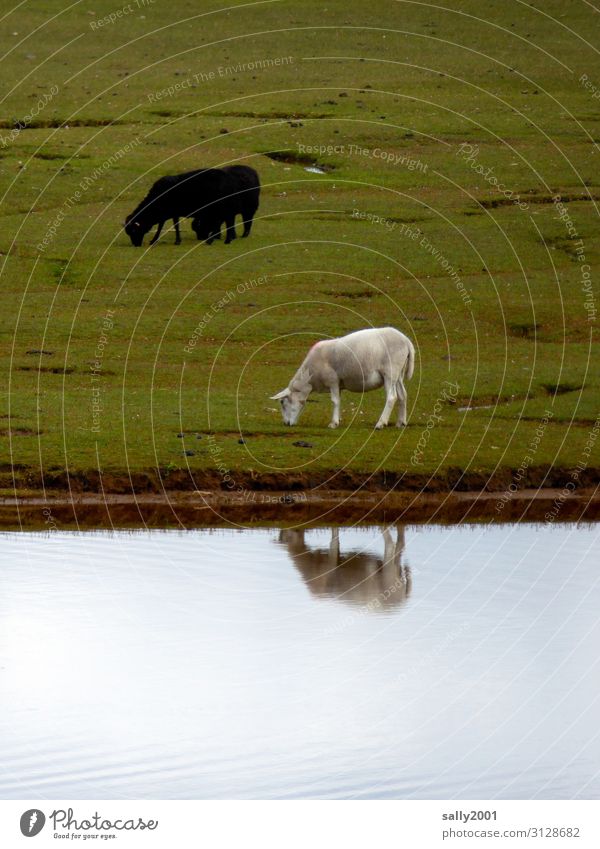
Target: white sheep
{"points": [[358, 362]]}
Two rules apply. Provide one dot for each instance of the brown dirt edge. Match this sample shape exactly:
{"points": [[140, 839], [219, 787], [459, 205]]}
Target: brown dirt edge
{"points": [[161, 480], [162, 499]]}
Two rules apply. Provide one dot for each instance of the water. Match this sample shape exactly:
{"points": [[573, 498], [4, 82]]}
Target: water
{"points": [[437, 663]]}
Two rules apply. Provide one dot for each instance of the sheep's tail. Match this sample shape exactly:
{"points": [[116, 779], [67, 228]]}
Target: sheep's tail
{"points": [[409, 365]]}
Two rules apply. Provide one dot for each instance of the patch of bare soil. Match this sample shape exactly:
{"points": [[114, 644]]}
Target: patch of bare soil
{"points": [[539, 199]]}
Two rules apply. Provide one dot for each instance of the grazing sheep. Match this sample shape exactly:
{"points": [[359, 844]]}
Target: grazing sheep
{"points": [[175, 196], [359, 362], [241, 192]]}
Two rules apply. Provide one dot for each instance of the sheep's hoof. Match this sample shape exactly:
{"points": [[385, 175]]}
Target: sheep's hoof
{"points": [[380, 426], [333, 425]]}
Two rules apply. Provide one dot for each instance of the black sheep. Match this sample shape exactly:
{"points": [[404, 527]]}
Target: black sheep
{"points": [[176, 196], [241, 192]]}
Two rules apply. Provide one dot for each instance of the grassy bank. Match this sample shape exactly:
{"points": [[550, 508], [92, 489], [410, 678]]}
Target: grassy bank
{"points": [[409, 114]]}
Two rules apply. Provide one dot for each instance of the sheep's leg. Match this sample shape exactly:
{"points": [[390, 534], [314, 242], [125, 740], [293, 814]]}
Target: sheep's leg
{"points": [[335, 400], [398, 552], [248, 224], [390, 391], [403, 571], [158, 232], [388, 551], [326, 571], [334, 549], [400, 543], [389, 569], [177, 233], [230, 225], [401, 393]]}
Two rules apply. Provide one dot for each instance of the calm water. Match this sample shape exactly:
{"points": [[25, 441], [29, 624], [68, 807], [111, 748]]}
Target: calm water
{"points": [[430, 663]]}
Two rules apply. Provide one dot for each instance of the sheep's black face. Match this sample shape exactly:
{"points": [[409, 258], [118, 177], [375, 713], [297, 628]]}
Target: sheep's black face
{"points": [[201, 228], [135, 231]]}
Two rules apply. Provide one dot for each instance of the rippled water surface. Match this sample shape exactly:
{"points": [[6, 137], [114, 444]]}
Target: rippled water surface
{"points": [[419, 663]]}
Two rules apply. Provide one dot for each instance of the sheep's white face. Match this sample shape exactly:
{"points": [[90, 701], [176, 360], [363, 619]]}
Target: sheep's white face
{"points": [[292, 403]]}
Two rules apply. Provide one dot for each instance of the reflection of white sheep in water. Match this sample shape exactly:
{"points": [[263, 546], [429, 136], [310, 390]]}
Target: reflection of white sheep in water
{"points": [[359, 362], [358, 577]]}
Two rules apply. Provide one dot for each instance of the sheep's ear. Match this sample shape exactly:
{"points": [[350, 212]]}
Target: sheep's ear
{"points": [[283, 394]]}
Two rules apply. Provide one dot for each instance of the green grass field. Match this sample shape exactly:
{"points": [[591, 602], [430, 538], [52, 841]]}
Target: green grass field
{"points": [[461, 248]]}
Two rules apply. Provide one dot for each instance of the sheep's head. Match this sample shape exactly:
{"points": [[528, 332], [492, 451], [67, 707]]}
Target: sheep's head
{"points": [[293, 400], [204, 228], [200, 228], [135, 231]]}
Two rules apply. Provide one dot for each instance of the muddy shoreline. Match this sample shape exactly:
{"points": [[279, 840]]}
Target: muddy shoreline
{"points": [[164, 480], [55, 510], [162, 498]]}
